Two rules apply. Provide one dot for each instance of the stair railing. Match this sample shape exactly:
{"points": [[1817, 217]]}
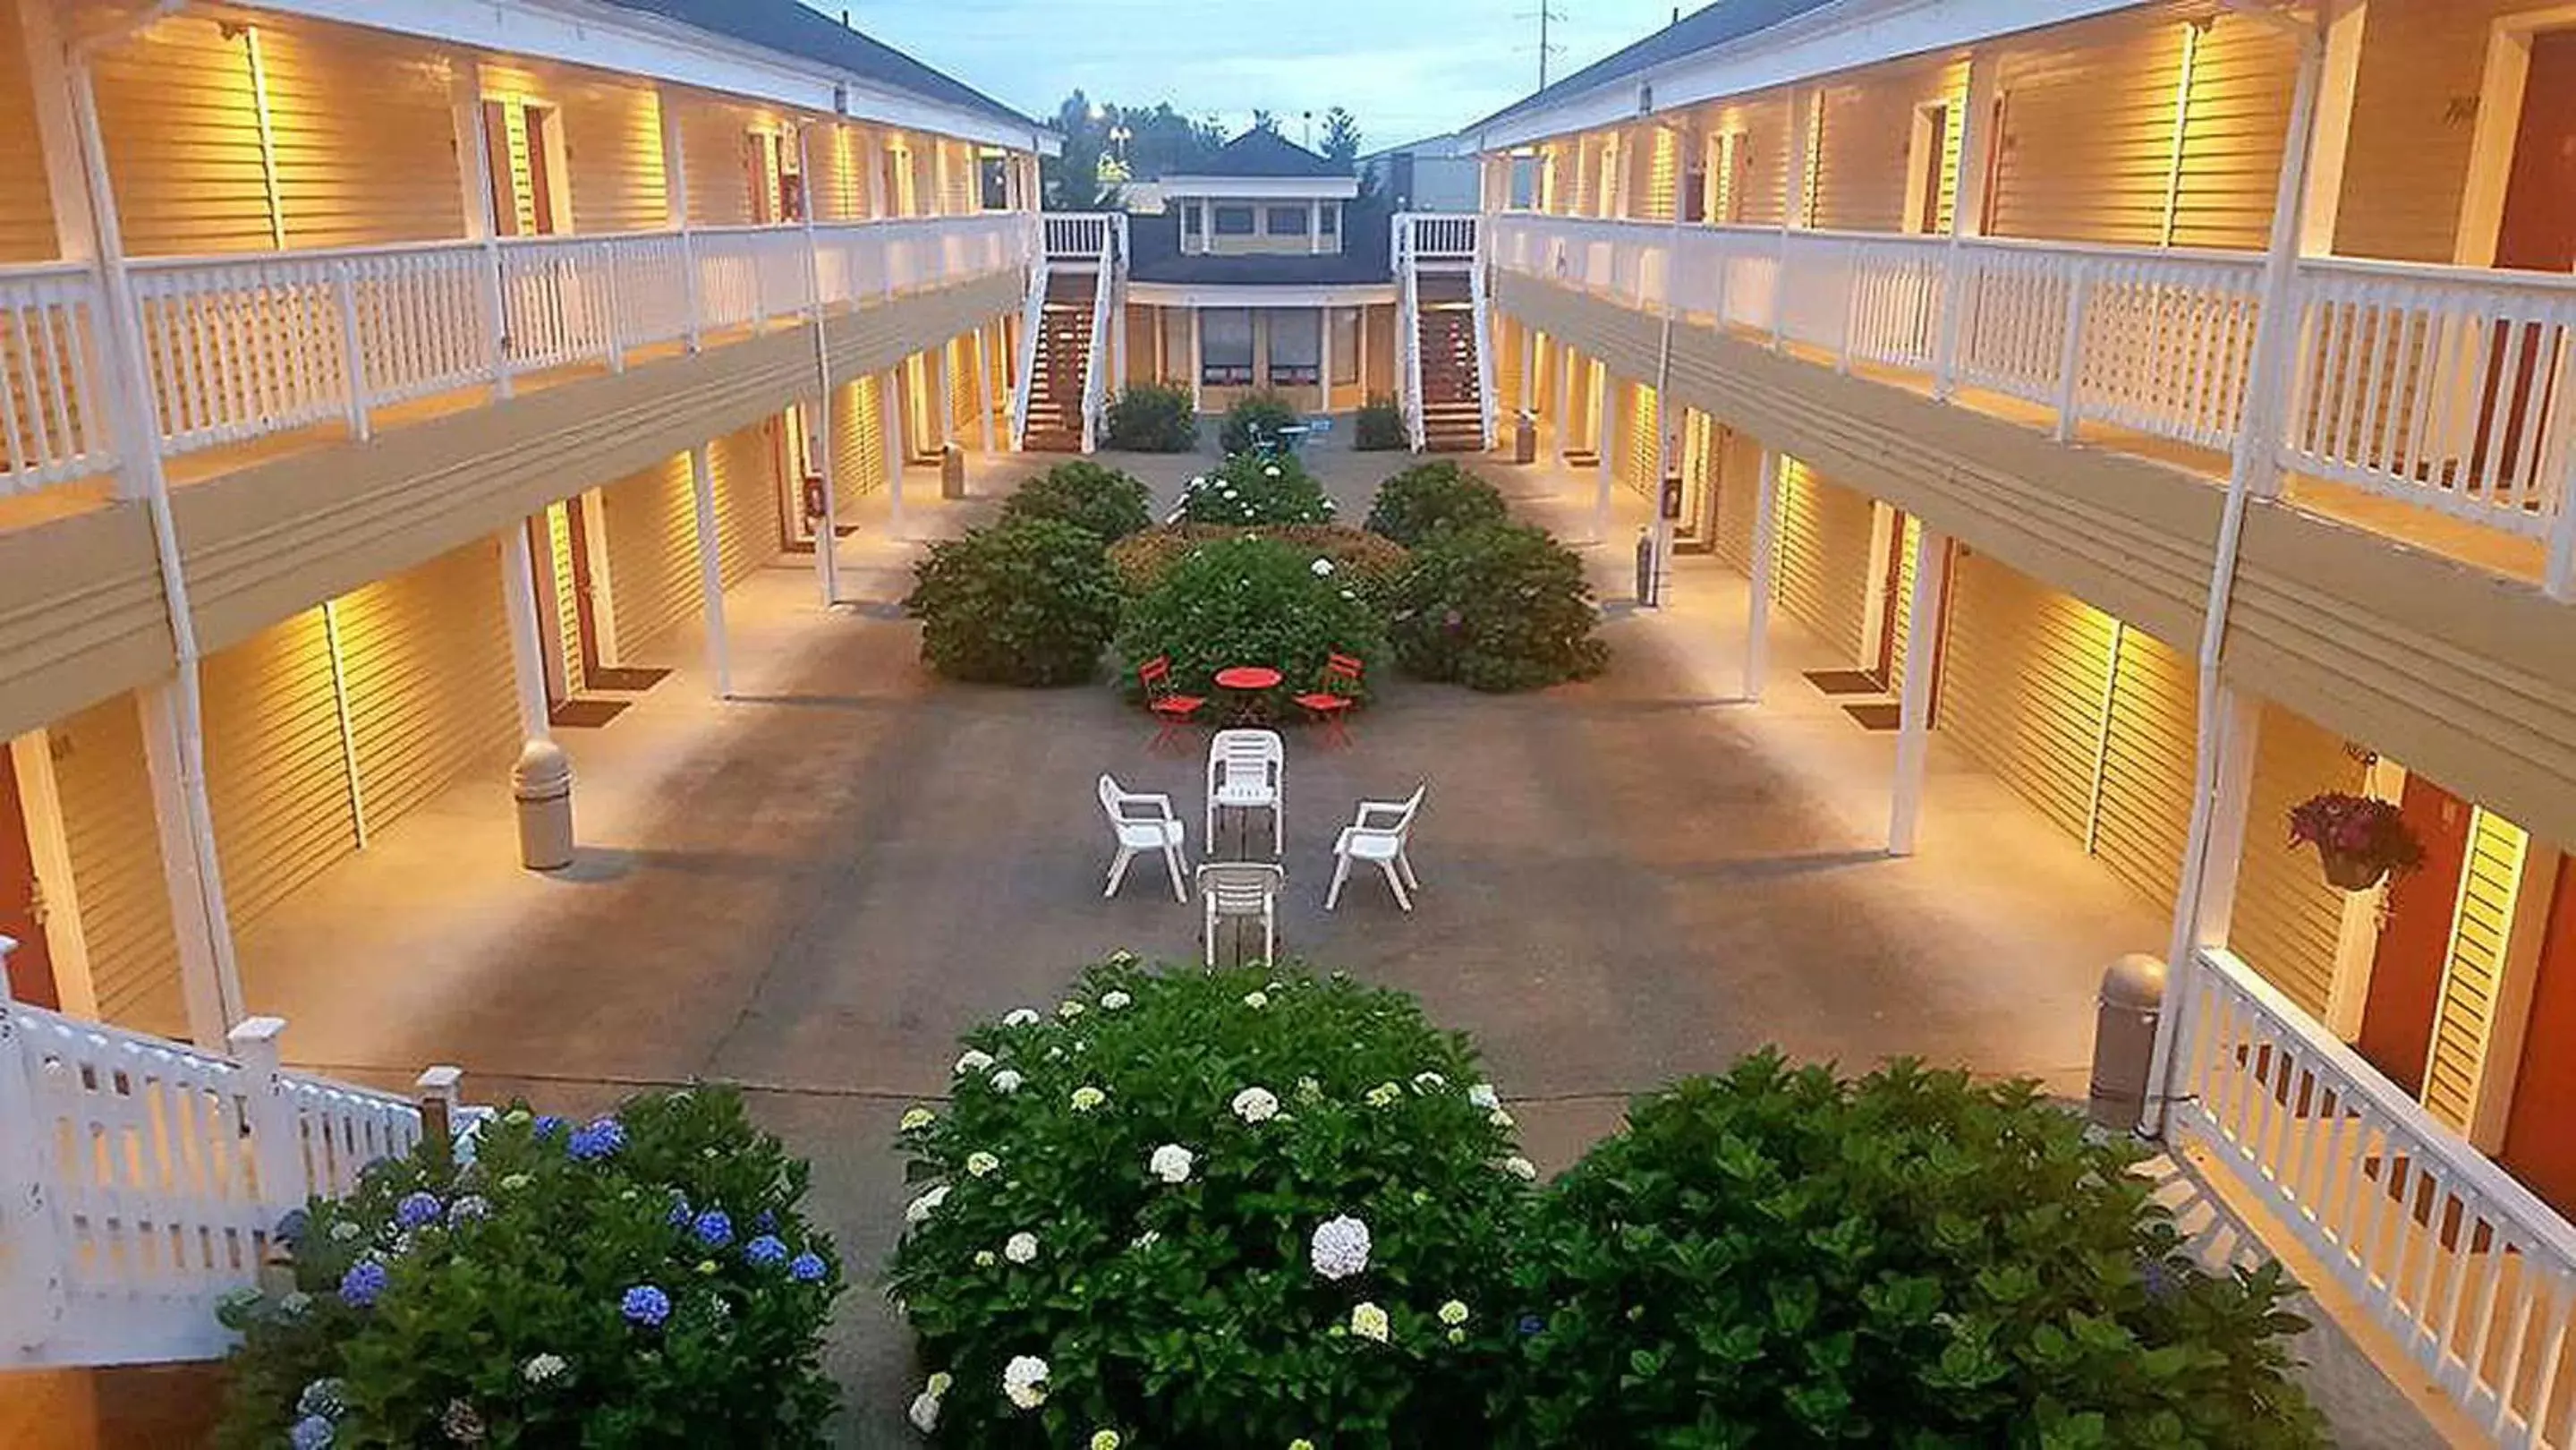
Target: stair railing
{"points": [[1408, 329], [1032, 322], [1095, 377], [1482, 339]]}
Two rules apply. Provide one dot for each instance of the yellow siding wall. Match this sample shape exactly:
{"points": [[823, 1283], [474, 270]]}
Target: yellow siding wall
{"points": [[2475, 974], [2022, 684], [26, 210], [2287, 917], [1868, 133], [1901, 618], [961, 194], [183, 141], [715, 137], [2147, 753], [2406, 164], [613, 150], [275, 774], [746, 488], [427, 655], [1636, 462], [1824, 557], [565, 592], [116, 865], [2242, 78], [840, 180], [1739, 497], [1761, 156], [652, 559], [858, 442]]}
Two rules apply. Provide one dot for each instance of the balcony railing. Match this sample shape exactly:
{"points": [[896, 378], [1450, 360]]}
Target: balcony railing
{"points": [[2474, 1276], [1438, 236], [237, 348], [2440, 387], [1084, 236]]}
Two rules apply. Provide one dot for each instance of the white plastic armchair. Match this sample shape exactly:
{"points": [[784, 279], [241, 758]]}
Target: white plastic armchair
{"points": [[1142, 822], [1379, 833], [1247, 770], [1241, 891]]}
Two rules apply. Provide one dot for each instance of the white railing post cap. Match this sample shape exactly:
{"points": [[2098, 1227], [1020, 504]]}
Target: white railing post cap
{"points": [[256, 1032], [439, 1081]]}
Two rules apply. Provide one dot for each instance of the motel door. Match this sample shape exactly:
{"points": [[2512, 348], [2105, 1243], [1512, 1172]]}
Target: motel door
{"points": [[2536, 232], [2415, 943], [22, 904], [1893, 595], [2539, 1134]]}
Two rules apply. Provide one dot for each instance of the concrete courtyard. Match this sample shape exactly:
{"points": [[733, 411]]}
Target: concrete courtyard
{"points": [[810, 889]]}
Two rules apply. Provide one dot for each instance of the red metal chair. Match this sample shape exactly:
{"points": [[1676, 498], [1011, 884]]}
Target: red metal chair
{"points": [[1170, 707], [1330, 702]]}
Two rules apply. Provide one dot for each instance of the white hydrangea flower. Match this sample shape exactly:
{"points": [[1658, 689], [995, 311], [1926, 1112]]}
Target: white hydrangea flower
{"points": [[1339, 1247], [1256, 999], [1424, 1082], [1323, 568], [344, 1231], [980, 1164], [1270, 470], [1007, 1081], [1055, 1054], [937, 1385], [1020, 1017], [920, 1209], [1068, 1009], [1301, 1443], [543, 1368], [1086, 1098], [1309, 1091], [1021, 1248], [1256, 1105], [924, 1413], [1500, 1118], [973, 1059], [1105, 1440], [1453, 1313], [1520, 1168], [1483, 1095], [1114, 1000], [985, 1259], [1171, 1163], [1024, 1381], [1383, 1094], [916, 1119], [1147, 1239], [1369, 1322]]}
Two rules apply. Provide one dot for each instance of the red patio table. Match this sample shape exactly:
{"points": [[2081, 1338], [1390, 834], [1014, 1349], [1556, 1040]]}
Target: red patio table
{"points": [[1247, 683]]}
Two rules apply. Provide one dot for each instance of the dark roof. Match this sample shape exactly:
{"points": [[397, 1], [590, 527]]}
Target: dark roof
{"points": [[1154, 244], [1718, 24], [1263, 153], [791, 29]]}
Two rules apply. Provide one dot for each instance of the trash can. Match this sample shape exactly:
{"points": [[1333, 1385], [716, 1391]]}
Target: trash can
{"points": [[1525, 437], [952, 471], [2124, 1040], [542, 782], [1646, 567]]}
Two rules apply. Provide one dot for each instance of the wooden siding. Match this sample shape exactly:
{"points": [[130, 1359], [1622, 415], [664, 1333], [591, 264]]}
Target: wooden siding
{"points": [[2022, 686], [652, 552], [427, 656], [1867, 136], [81, 614], [276, 777], [839, 154], [2471, 980], [1901, 615], [2414, 126], [563, 590], [858, 442], [1757, 184], [2147, 764], [26, 206], [1739, 497], [714, 140], [2288, 918], [1824, 558], [183, 140], [746, 489], [1507, 367], [613, 155], [1635, 464], [115, 849], [2238, 124]]}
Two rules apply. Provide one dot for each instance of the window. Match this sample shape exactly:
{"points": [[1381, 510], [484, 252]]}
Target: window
{"points": [[1233, 221], [1225, 340], [1524, 182], [1346, 346], [994, 180], [1295, 342], [1287, 221], [1189, 218], [1332, 220]]}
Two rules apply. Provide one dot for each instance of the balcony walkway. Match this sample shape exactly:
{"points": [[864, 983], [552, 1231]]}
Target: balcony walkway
{"points": [[813, 889]]}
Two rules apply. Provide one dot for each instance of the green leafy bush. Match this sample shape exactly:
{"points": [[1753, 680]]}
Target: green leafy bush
{"points": [[645, 1280], [1151, 418], [1380, 426], [1255, 418], [1104, 501], [1496, 607], [1428, 497], [1365, 562], [1250, 601], [1025, 602], [1251, 489], [1246, 1208], [1779, 1258]]}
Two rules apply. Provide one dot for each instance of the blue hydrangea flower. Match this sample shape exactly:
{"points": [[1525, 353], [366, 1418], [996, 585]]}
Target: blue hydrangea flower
{"points": [[549, 1124], [291, 1229], [418, 1210], [1531, 1324], [645, 1305], [766, 1223], [765, 1250], [365, 1280], [713, 1228], [310, 1433], [603, 1137], [2162, 1281], [681, 1213], [472, 1208], [807, 1268]]}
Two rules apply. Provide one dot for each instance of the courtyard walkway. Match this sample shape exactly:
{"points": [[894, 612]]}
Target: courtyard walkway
{"points": [[812, 888]]}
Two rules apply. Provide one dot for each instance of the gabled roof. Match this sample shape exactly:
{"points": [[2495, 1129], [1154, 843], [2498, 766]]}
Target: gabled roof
{"points": [[1717, 24], [791, 29], [1260, 153], [1157, 255]]}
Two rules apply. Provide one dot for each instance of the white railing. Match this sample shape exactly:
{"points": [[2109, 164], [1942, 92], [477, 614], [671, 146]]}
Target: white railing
{"points": [[1408, 336], [2474, 1276], [1032, 322], [1480, 317], [1095, 371], [141, 1180], [1081, 236], [53, 419], [1440, 236]]}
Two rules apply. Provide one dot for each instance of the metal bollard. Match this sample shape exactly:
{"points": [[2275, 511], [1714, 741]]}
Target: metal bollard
{"points": [[2124, 1040], [542, 783], [1645, 568], [1525, 437], [952, 471]]}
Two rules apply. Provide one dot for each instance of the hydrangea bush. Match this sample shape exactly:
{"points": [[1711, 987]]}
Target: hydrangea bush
{"points": [[1025, 602], [647, 1278], [1103, 501], [1423, 500], [1250, 600], [1779, 1257], [1250, 489], [1254, 419], [1496, 606], [1151, 418], [1365, 562], [1244, 1208], [1379, 426]]}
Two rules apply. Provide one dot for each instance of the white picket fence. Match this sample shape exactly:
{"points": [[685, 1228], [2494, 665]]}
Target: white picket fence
{"points": [[141, 1180]]}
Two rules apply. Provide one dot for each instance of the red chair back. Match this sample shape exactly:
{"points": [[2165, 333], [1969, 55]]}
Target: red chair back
{"points": [[1341, 672], [1156, 676]]}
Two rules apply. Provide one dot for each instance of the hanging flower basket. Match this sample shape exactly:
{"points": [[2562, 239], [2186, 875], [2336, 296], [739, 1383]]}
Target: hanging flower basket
{"points": [[2360, 840]]}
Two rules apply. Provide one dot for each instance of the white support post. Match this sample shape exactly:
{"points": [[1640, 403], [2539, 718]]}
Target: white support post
{"points": [[872, 155], [34, 1273], [1914, 710], [702, 495], [1967, 214], [943, 417], [1314, 227], [276, 1147], [1766, 568], [1529, 368], [209, 977], [1565, 402], [1198, 365], [826, 462], [983, 393], [57, 131], [475, 161], [527, 639], [675, 208], [1324, 356], [890, 412], [1604, 469], [2240, 723]]}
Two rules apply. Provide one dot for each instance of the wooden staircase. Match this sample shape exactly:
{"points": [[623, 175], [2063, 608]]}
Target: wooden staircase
{"points": [[1063, 352], [1453, 417]]}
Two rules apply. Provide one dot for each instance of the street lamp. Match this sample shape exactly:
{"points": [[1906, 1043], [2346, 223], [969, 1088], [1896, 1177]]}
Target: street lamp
{"points": [[1118, 137]]}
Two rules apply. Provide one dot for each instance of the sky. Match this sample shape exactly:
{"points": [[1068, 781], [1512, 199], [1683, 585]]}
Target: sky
{"points": [[1407, 68]]}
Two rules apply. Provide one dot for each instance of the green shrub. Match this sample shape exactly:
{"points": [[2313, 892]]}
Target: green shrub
{"points": [[1250, 489], [1778, 1258], [1428, 497], [1151, 418], [1250, 601], [1255, 418], [646, 1280], [1365, 562], [1104, 501], [1380, 426], [1025, 602], [1496, 607], [1185, 1300]]}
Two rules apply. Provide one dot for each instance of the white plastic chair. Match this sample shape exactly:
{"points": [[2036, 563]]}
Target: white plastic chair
{"points": [[1142, 822], [1247, 770], [1241, 891], [1378, 834]]}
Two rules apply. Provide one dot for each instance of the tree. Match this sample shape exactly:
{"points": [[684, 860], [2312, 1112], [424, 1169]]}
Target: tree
{"points": [[1341, 137], [1263, 120]]}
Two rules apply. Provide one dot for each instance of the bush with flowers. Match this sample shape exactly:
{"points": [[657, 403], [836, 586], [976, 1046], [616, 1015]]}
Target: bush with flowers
{"points": [[1367, 563], [1249, 1208], [1427, 498], [1251, 489], [644, 1279], [1779, 1257], [1496, 606], [1250, 600]]}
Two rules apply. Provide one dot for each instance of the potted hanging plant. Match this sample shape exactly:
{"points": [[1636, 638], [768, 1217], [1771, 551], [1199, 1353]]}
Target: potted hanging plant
{"points": [[2360, 839]]}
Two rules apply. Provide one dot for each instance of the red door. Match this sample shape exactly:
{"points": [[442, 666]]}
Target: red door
{"points": [[2415, 943], [2537, 232], [585, 597], [2539, 1134], [31, 972]]}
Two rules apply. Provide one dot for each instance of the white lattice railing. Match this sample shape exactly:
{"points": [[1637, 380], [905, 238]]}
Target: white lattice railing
{"points": [[1408, 336], [142, 1179], [53, 424], [1441, 236], [2474, 1276], [1095, 366]]}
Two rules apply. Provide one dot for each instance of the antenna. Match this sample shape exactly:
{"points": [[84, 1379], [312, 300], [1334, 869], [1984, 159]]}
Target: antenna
{"points": [[1547, 49]]}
